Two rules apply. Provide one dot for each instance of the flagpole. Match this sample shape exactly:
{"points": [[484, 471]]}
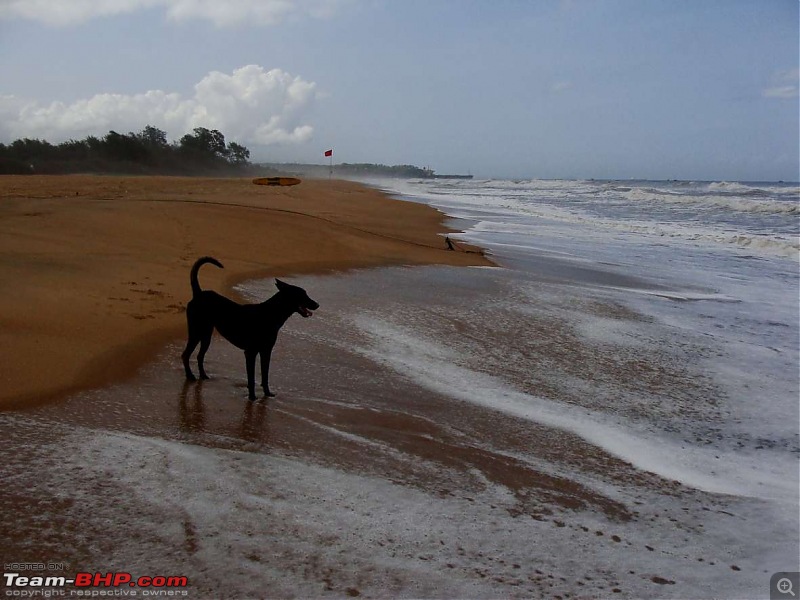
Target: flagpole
{"points": [[330, 164]]}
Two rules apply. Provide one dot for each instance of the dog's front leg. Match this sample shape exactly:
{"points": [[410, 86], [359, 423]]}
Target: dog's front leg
{"points": [[266, 353], [250, 361]]}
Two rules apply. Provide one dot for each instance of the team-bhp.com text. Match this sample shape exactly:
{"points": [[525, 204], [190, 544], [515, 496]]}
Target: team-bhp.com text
{"points": [[119, 583]]}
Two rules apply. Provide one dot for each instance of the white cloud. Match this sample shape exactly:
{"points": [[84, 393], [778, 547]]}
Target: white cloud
{"points": [[250, 105], [220, 12], [785, 85], [784, 91], [67, 12]]}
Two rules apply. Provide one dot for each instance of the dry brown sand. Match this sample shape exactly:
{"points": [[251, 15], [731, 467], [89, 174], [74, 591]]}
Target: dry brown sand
{"points": [[94, 270]]}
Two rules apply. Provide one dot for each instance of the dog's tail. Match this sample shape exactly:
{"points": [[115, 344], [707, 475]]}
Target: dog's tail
{"points": [[196, 267]]}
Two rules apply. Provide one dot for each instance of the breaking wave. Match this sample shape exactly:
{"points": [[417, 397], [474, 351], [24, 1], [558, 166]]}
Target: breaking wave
{"points": [[738, 203], [759, 217], [786, 246]]}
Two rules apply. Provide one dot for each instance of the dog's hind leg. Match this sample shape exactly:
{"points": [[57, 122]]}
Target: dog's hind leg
{"points": [[265, 356], [250, 361], [194, 338], [205, 342], [187, 354]]}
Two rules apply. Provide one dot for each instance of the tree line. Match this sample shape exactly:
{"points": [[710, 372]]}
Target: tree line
{"points": [[353, 170], [203, 151], [370, 169]]}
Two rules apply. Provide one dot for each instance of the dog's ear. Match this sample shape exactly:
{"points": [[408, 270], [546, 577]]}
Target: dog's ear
{"points": [[280, 285]]}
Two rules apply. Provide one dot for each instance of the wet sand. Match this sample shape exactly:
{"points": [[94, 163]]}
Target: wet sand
{"points": [[360, 480]]}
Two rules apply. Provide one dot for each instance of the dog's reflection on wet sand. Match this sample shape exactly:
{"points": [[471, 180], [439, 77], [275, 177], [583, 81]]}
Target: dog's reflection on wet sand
{"points": [[194, 418]]}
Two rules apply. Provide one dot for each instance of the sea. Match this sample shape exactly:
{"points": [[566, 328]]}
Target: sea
{"points": [[710, 269], [694, 377]]}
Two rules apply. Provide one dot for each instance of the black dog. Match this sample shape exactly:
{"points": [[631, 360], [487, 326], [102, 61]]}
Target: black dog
{"points": [[251, 327]]}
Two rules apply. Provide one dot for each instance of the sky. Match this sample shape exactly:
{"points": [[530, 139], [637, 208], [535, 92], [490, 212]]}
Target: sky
{"points": [[606, 89]]}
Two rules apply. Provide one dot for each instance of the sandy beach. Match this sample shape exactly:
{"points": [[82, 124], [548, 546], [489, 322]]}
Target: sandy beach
{"points": [[443, 427], [94, 270]]}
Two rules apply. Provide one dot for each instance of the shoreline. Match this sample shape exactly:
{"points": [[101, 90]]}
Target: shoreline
{"points": [[386, 464], [96, 267]]}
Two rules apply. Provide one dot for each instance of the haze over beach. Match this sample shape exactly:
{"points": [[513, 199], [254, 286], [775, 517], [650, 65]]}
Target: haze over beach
{"points": [[568, 371], [552, 89]]}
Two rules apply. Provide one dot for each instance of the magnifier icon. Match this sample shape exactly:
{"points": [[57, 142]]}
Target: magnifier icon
{"points": [[785, 586]]}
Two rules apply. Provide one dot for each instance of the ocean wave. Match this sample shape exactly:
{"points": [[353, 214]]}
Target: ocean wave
{"points": [[744, 189], [438, 368], [729, 186], [737, 203], [742, 198], [695, 212], [780, 246]]}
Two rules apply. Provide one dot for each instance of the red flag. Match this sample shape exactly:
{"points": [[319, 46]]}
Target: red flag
{"points": [[329, 153]]}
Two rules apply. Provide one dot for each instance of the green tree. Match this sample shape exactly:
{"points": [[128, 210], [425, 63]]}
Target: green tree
{"points": [[124, 147], [204, 143], [204, 150], [153, 137], [238, 154], [28, 149]]}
